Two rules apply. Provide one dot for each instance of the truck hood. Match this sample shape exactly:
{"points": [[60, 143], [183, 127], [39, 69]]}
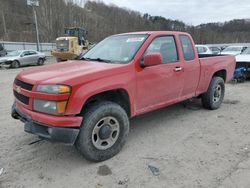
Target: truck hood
{"points": [[69, 72], [243, 58]]}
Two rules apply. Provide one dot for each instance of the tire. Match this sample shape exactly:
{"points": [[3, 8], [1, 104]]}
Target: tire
{"points": [[94, 119], [40, 61], [214, 96], [15, 64], [58, 60]]}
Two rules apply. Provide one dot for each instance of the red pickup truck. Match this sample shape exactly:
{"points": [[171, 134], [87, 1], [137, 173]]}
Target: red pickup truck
{"points": [[88, 102]]}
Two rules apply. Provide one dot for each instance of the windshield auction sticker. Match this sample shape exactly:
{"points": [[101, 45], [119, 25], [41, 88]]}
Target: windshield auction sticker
{"points": [[137, 39]]}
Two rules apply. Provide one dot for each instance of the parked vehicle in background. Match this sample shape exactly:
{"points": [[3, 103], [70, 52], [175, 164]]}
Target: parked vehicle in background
{"points": [[71, 45], [203, 49], [3, 52], [233, 50], [215, 50], [243, 60], [88, 102], [19, 58], [223, 47], [239, 74]]}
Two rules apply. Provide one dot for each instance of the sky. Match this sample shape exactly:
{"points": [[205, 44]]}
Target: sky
{"points": [[192, 12]]}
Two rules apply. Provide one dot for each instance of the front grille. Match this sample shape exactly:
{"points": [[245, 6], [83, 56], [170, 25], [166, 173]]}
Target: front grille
{"points": [[23, 85], [21, 98], [62, 45]]}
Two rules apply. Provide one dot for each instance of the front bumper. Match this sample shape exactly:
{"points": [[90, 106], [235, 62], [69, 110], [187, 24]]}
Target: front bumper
{"points": [[66, 135], [5, 63], [64, 55]]}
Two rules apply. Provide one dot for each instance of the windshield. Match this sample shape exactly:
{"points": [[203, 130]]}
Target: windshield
{"points": [[14, 53], [116, 49], [247, 51], [232, 48], [71, 32]]}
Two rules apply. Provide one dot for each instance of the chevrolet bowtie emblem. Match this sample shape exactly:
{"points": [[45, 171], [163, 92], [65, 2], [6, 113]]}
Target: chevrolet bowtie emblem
{"points": [[18, 89]]}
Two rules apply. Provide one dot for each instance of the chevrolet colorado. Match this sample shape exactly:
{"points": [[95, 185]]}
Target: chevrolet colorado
{"points": [[88, 102]]}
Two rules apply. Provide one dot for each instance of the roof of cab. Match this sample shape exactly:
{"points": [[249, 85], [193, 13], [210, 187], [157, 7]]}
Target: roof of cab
{"points": [[154, 32]]}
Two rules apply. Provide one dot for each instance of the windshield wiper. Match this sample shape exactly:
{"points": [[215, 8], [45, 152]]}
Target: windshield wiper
{"points": [[96, 59], [83, 58]]}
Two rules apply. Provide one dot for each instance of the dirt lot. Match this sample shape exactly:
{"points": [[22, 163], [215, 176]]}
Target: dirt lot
{"points": [[190, 146]]}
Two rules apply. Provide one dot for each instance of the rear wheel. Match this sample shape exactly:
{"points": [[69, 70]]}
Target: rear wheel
{"points": [[214, 96], [103, 132], [40, 61], [58, 60], [15, 64]]}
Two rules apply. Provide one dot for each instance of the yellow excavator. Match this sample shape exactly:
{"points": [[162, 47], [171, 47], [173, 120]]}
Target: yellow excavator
{"points": [[71, 45]]}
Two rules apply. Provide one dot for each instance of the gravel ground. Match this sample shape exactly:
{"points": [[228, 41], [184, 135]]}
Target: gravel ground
{"points": [[180, 146]]}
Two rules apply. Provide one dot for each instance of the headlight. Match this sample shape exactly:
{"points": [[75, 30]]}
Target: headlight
{"points": [[53, 89], [50, 107], [3, 60]]}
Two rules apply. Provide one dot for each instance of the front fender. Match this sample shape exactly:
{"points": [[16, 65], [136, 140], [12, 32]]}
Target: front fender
{"points": [[80, 94]]}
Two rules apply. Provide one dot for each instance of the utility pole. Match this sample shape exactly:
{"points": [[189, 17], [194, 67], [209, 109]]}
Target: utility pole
{"points": [[6, 36], [37, 31], [34, 3]]}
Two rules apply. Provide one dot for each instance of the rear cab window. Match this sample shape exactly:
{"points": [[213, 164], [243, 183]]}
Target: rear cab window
{"points": [[187, 48], [166, 46]]}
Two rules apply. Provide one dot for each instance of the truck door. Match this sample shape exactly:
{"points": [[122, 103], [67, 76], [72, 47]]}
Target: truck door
{"points": [[161, 84], [190, 66]]}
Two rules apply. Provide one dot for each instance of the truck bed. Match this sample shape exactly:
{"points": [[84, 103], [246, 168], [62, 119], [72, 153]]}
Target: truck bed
{"points": [[209, 64], [209, 55]]}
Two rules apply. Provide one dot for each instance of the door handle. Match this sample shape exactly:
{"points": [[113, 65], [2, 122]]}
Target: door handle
{"points": [[178, 69]]}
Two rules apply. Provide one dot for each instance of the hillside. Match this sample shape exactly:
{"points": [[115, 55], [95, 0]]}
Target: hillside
{"points": [[16, 22]]}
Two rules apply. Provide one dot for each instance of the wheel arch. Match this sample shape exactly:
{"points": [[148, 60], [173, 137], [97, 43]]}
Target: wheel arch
{"points": [[221, 73], [119, 96], [10, 62], [15, 60]]}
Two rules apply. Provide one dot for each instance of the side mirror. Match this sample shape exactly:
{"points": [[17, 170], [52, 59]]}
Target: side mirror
{"points": [[152, 59]]}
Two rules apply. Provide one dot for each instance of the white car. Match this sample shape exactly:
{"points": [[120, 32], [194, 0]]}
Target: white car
{"points": [[215, 49], [19, 58], [244, 56], [233, 50], [243, 60], [203, 49]]}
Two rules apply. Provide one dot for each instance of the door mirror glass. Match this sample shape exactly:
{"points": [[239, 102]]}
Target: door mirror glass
{"points": [[152, 59]]}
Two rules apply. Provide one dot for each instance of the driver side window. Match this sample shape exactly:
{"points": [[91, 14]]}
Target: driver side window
{"points": [[25, 53], [32, 52], [166, 46]]}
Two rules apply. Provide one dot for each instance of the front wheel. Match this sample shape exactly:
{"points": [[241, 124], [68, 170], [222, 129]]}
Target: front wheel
{"points": [[103, 132], [214, 96], [15, 64], [58, 60], [40, 61]]}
